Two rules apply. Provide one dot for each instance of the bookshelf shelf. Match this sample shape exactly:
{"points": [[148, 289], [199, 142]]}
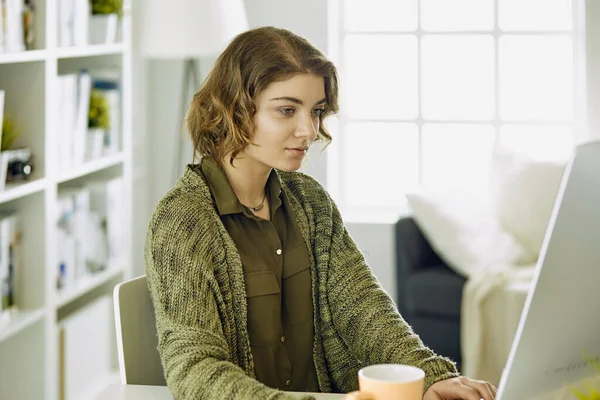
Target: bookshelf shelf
{"points": [[96, 387], [90, 50], [14, 191], [20, 321], [63, 216], [91, 167], [86, 285], [23, 56]]}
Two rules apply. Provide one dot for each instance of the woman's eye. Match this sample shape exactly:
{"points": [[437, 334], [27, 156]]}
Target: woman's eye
{"points": [[286, 110], [318, 111]]}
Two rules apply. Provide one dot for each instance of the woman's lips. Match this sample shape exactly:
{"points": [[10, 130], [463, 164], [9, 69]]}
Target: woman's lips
{"points": [[300, 151]]}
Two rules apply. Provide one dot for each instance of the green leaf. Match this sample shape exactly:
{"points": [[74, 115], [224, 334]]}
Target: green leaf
{"points": [[107, 7], [9, 133]]}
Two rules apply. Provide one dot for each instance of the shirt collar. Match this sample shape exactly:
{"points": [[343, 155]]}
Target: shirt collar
{"points": [[223, 194], [274, 192]]}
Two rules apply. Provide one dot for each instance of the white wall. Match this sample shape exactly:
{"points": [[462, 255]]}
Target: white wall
{"points": [[593, 67], [377, 241]]}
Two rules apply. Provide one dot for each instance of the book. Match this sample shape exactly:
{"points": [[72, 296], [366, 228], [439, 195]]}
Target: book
{"points": [[66, 242], [67, 115], [65, 21], [81, 122], [3, 157], [14, 32], [80, 26], [10, 239], [106, 87]]}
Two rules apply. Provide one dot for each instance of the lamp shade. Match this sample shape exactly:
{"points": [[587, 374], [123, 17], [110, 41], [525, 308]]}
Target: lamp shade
{"points": [[175, 29]]}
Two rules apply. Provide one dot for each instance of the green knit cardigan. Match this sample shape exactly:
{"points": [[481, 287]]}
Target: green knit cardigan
{"points": [[197, 287]]}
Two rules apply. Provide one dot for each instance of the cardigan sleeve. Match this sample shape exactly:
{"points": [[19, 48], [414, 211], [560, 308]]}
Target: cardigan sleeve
{"points": [[194, 352], [365, 316]]}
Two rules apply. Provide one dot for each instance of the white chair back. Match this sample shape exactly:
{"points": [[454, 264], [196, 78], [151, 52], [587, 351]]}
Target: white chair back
{"points": [[139, 361]]}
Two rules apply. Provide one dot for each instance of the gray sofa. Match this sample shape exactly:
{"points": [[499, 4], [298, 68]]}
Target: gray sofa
{"points": [[429, 292]]}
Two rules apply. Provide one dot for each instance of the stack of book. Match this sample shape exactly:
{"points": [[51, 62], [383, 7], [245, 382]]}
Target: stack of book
{"points": [[78, 26], [89, 123], [3, 157], [10, 236], [16, 26], [73, 22], [89, 231]]}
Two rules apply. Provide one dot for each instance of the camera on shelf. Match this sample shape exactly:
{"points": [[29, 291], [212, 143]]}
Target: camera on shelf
{"points": [[20, 166]]}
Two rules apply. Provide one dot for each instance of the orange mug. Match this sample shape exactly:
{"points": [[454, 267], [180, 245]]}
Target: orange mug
{"points": [[390, 382]]}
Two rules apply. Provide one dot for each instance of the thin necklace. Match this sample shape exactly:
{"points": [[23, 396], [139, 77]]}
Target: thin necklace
{"points": [[260, 206]]}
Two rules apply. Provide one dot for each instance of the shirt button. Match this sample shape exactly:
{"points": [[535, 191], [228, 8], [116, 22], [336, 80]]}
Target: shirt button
{"points": [[288, 383], [278, 252], [283, 339]]}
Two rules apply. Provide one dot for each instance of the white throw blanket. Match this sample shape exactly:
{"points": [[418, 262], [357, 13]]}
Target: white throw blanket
{"points": [[491, 307]]}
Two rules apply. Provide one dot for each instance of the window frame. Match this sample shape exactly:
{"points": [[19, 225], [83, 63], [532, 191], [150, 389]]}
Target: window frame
{"points": [[337, 152]]}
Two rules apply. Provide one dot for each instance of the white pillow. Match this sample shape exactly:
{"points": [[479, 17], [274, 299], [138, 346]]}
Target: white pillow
{"points": [[523, 192], [462, 229]]}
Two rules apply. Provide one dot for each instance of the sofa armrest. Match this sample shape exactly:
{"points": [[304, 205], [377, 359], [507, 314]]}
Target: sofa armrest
{"points": [[413, 254], [413, 251]]}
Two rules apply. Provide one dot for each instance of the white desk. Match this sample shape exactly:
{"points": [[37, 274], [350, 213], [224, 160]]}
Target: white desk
{"points": [[138, 392]]}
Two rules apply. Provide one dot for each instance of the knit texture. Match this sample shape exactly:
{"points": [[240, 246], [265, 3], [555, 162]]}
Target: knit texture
{"points": [[196, 283]]}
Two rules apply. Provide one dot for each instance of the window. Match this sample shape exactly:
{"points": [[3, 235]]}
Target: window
{"points": [[430, 87]]}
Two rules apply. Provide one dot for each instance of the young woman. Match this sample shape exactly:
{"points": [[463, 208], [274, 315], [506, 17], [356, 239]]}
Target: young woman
{"points": [[257, 286]]}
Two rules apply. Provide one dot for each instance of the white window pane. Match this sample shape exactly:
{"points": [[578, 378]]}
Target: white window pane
{"points": [[457, 154], [380, 77], [333, 158], [380, 15], [536, 77], [458, 77], [381, 162], [332, 124], [531, 15], [457, 15], [547, 143]]}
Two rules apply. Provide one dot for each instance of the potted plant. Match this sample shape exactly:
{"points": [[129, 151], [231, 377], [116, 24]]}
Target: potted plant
{"points": [[98, 125], [104, 21], [9, 133], [15, 164], [592, 393]]}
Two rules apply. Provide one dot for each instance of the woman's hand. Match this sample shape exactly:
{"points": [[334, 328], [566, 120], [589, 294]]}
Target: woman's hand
{"points": [[461, 388], [357, 396]]}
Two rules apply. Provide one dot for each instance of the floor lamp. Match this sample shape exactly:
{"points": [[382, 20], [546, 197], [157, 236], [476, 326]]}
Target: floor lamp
{"points": [[190, 82], [188, 30]]}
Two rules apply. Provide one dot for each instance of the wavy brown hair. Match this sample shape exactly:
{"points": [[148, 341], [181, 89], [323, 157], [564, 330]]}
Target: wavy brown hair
{"points": [[220, 117]]}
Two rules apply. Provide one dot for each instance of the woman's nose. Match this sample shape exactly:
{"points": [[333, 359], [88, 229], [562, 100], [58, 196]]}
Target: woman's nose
{"points": [[308, 128]]}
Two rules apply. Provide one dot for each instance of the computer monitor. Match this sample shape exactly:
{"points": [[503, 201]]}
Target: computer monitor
{"points": [[559, 327]]}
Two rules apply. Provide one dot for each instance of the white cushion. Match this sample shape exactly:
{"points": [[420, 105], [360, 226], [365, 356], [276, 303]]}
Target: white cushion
{"points": [[523, 192], [461, 227]]}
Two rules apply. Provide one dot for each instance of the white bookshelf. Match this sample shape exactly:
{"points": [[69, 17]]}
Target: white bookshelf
{"points": [[20, 321], [29, 350], [91, 50], [86, 285], [91, 167], [14, 191], [25, 56]]}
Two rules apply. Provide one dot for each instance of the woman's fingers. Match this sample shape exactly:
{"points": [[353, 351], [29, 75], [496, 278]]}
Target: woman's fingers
{"points": [[358, 396], [486, 390], [468, 393]]}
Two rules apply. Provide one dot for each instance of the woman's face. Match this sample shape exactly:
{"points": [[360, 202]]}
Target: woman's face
{"points": [[287, 121]]}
